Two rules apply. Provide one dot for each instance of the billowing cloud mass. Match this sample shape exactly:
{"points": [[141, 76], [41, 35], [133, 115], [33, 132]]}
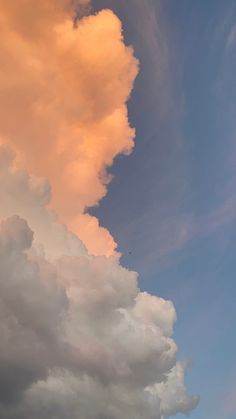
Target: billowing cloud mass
{"points": [[63, 91], [78, 338]]}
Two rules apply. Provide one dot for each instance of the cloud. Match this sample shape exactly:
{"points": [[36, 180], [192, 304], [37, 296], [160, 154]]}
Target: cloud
{"points": [[63, 90], [78, 338], [29, 196], [30, 312], [171, 233], [231, 38], [160, 89]]}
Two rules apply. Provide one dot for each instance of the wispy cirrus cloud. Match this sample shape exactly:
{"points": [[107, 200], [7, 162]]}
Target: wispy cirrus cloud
{"points": [[229, 404]]}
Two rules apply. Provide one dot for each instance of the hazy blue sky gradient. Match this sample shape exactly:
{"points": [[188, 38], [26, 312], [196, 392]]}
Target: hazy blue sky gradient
{"points": [[172, 203]]}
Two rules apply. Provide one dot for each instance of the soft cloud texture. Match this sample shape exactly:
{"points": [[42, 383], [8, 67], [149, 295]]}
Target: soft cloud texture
{"points": [[78, 338], [28, 197], [63, 89]]}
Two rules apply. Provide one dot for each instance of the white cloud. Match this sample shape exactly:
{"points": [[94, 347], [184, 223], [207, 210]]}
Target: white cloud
{"points": [[29, 197], [231, 38], [78, 338]]}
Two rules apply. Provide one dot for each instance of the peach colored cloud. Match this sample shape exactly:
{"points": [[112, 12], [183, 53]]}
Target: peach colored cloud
{"points": [[63, 94]]}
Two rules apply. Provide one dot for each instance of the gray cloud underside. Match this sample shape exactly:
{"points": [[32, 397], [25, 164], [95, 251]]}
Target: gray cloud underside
{"points": [[78, 338]]}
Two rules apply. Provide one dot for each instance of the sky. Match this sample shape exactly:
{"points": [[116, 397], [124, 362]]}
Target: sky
{"points": [[117, 237], [172, 203]]}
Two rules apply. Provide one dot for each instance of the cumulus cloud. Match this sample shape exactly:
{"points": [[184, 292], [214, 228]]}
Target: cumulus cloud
{"points": [[29, 197], [78, 338], [63, 90]]}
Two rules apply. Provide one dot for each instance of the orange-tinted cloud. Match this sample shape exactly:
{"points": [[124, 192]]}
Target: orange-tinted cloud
{"points": [[63, 94]]}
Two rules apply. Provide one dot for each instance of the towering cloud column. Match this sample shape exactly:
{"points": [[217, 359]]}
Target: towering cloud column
{"points": [[78, 339], [64, 89]]}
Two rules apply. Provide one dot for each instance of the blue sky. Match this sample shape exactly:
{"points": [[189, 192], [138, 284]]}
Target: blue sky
{"points": [[172, 203]]}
